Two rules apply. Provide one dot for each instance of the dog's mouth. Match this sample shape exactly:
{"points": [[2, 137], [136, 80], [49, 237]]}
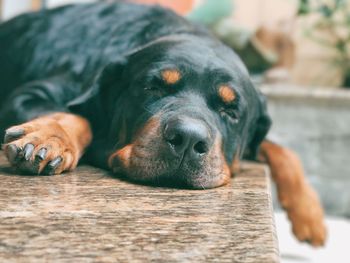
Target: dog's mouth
{"points": [[173, 155], [138, 164]]}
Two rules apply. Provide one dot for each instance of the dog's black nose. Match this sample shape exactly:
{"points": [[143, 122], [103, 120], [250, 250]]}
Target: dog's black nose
{"points": [[188, 136]]}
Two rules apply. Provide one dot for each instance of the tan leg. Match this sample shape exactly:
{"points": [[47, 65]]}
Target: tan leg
{"points": [[295, 194], [50, 144]]}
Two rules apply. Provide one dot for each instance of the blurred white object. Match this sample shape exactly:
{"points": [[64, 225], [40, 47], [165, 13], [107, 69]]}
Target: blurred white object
{"points": [[277, 75], [336, 249], [12, 8], [54, 3]]}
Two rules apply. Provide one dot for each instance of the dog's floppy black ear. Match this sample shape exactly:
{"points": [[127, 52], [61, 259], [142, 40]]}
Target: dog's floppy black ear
{"points": [[263, 125], [105, 87]]}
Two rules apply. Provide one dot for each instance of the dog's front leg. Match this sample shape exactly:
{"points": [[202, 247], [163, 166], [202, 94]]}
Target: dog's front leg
{"points": [[295, 194], [41, 137], [49, 144]]}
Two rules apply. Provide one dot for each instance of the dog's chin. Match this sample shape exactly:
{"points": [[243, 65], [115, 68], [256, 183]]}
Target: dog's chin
{"points": [[149, 161], [168, 172], [174, 179]]}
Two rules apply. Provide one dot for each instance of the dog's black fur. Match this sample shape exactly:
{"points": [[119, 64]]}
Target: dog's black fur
{"points": [[103, 62]]}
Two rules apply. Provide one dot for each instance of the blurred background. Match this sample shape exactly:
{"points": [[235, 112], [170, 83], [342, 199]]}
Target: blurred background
{"points": [[298, 53]]}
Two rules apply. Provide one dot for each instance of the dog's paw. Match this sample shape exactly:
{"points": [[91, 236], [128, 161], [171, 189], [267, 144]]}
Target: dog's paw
{"points": [[40, 147], [307, 219]]}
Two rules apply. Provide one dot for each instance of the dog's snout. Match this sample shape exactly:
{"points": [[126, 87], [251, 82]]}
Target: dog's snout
{"points": [[188, 136]]}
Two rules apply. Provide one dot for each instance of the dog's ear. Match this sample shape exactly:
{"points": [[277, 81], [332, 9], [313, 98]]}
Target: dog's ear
{"points": [[101, 91], [111, 83], [262, 127]]}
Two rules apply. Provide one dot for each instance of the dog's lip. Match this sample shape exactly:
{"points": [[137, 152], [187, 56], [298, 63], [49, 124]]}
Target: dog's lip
{"points": [[176, 177], [177, 163], [194, 183], [179, 170]]}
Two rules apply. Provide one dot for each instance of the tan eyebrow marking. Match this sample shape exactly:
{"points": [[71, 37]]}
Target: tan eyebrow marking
{"points": [[227, 94], [171, 76]]}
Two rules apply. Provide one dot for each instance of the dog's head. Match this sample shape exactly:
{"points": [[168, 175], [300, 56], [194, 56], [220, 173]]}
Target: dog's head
{"points": [[179, 109]]}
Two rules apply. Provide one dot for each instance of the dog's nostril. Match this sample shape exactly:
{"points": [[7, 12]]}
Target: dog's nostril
{"points": [[176, 140], [200, 147]]}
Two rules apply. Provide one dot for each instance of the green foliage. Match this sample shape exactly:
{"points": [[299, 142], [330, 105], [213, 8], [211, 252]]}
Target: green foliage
{"points": [[304, 7], [334, 20]]}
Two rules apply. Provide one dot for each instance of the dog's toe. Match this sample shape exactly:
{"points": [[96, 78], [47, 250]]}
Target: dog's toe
{"points": [[52, 166], [12, 152]]}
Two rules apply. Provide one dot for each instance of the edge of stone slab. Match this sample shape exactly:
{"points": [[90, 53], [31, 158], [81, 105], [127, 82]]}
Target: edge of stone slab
{"points": [[296, 93]]}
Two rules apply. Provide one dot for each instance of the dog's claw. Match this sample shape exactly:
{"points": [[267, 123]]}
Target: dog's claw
{"points": [[12, 152], [41, 154], [51, 166], [11, 135], [28, 151]]}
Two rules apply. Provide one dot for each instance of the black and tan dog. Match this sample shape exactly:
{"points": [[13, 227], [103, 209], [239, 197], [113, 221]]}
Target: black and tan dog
{"points": [[143, 92]]}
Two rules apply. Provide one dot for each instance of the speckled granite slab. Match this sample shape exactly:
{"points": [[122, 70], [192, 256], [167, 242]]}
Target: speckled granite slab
{"points": [[88, 216]]}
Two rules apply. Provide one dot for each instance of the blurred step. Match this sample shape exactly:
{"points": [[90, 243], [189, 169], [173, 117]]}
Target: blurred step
{"points": [[336, 250]]}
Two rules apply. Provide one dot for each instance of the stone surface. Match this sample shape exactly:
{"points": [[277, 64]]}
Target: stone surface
{"points": [[89, 216], [315, 123]]}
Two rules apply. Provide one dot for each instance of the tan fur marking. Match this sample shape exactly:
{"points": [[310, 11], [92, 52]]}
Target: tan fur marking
{"points": [[171, 76], [225, 173], [226, 94], [120, 159], [295, 194], [236, 166], [123, 155]]}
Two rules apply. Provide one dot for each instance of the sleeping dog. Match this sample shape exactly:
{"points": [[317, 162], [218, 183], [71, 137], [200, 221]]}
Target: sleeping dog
{"points": [[142, 92]]}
